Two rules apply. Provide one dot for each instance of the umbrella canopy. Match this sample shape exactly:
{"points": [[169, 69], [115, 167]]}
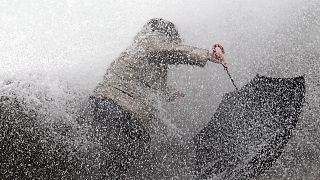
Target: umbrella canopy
{"points": [[250, 128]]}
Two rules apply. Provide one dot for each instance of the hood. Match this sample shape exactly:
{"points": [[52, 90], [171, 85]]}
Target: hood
{"points": [[157, 32]]}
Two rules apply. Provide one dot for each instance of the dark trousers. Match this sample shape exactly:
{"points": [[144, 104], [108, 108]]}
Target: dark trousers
{"points": [[122, 137]]}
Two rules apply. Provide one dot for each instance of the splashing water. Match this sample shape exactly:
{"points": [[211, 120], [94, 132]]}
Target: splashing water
{"points": [[52, 54]]}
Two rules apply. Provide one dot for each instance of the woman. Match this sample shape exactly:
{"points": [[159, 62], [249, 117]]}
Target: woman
{"points": [[124, 103]]}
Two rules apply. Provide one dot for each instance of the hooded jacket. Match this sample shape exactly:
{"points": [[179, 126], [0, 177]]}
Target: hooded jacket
{"points": [[137, 79]]}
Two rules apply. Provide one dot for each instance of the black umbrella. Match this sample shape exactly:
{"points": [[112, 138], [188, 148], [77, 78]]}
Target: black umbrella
{"points": [[250, 128]]}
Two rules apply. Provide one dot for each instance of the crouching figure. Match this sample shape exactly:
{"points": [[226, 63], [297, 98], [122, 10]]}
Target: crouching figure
{"points": [[124, 103]]}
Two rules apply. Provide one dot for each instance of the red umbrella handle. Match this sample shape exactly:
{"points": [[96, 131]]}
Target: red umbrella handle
{"points": [[214, 54]]}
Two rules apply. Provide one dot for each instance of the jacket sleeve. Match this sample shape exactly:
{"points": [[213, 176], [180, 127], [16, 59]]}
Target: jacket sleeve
{"points": [[181, 54]]}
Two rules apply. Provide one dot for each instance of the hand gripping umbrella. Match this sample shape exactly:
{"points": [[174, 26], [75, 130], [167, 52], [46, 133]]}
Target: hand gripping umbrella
{"points": [[249, 129], [220, 59]]}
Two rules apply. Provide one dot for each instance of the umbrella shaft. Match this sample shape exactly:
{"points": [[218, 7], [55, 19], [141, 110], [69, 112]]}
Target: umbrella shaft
{"points": [[231, 78]]}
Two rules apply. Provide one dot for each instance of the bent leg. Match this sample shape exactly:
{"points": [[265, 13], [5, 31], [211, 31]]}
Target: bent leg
{"points": [[122, 137]]}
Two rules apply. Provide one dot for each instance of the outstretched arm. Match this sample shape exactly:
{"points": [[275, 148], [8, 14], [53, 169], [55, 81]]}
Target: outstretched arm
{"points": [[181, 54]]}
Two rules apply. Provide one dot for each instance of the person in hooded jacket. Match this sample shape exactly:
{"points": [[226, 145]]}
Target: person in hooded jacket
{"points": [[123, 104]]}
